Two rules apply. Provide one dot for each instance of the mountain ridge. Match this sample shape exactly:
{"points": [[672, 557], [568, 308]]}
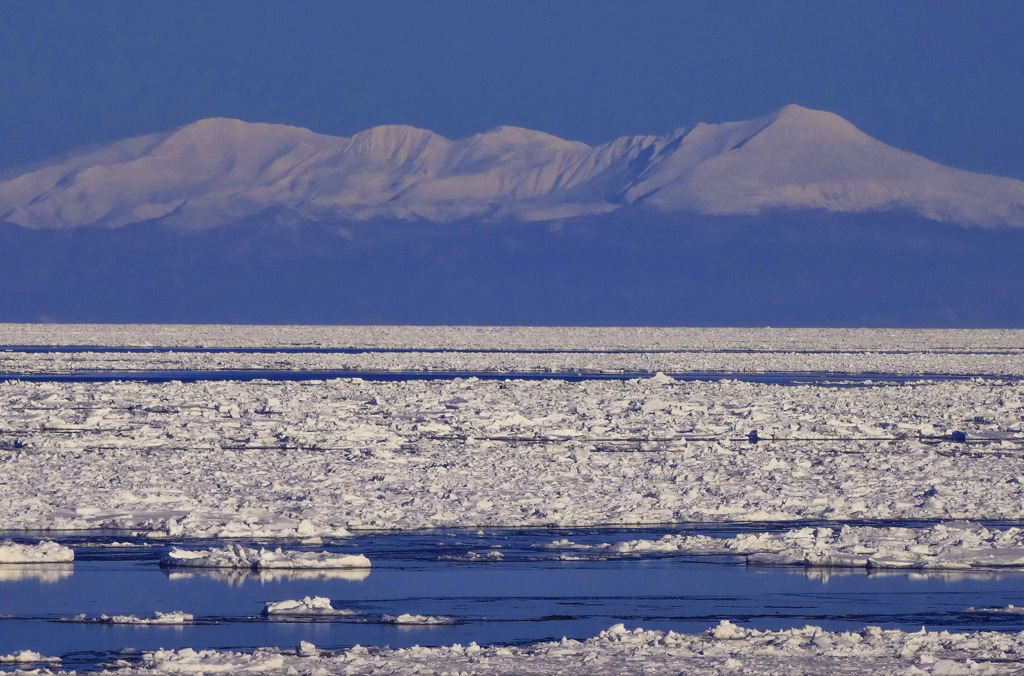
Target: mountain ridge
{"points": [[219, 170]]}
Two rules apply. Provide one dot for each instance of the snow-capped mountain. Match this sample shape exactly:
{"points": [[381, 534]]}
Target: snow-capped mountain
{"points": [[223, 171]]}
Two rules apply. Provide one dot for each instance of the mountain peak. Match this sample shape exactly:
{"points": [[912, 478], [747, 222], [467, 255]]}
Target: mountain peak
{"points": [[810, 120], [509, 135], [221, 127], [395, 141]]}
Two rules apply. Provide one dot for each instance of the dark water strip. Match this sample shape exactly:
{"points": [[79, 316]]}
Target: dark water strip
{"points": [[773, 378]]}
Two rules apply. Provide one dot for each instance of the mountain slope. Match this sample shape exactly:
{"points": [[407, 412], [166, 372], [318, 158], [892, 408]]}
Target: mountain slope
{"points": [[221, 171]]}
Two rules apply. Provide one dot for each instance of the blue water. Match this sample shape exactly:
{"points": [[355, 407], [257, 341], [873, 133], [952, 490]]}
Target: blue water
{"points": [[528, 596]]}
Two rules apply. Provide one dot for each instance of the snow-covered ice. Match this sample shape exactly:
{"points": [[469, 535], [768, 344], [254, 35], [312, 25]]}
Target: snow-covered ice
{"points": [[318, 458], [406, 618], [726, 648], [310, 461], [1008, 610], [175, 617], [26, 656], [237, 556], [944, 546], [519, 349], [307, 605], [43, 552]]}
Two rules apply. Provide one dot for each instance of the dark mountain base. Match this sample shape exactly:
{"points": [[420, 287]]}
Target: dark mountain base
{"points": [[628, 268]]}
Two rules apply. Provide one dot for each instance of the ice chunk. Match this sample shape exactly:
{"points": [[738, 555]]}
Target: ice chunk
{"points": [[945, 546], [307, 605], [726, 630], [406, 618], [237, 556], [174, 617], [26, 656], [44, 552]]}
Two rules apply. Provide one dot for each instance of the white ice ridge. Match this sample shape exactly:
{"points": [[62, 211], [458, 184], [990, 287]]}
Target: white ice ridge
{"points": [[406, 618], [237, 556], [25, 657], [176, 617], [724, 649], [943, 546], [1008, 610], [307, 605], [43, 552]]}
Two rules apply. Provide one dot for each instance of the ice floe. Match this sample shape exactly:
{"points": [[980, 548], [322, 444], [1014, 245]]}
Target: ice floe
{"points": [[237, 556], [307, 605], [176, 617], [43, 552], [26, 656], [943, 546], [1008, 610], [406, 618]]}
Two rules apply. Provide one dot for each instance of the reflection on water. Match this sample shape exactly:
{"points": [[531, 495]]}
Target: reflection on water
{"points": [[41, 572], [238, 576], [826, 573]]}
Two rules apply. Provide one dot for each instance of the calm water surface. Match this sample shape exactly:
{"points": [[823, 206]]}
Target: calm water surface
{"points": [[525, 596]]}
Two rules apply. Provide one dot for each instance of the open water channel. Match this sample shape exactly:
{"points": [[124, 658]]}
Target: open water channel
{"points": [[494, 586]]}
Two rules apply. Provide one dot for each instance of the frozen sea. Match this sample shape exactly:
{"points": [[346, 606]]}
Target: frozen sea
{"points": [[511, 487]]}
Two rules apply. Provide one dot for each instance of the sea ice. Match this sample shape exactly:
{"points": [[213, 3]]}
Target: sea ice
{"points": [[307, 605], [406, 618], [237, 556], [26, 656], [176, 617], [944, 546], [513, 453], [725, 648], [43, 552]]}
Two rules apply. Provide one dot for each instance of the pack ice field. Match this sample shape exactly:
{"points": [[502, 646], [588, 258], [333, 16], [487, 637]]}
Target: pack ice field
{"points": [[275, 452]]}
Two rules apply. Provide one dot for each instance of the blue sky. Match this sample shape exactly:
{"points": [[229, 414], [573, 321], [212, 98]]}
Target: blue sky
{"points": [[943, 79]]}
